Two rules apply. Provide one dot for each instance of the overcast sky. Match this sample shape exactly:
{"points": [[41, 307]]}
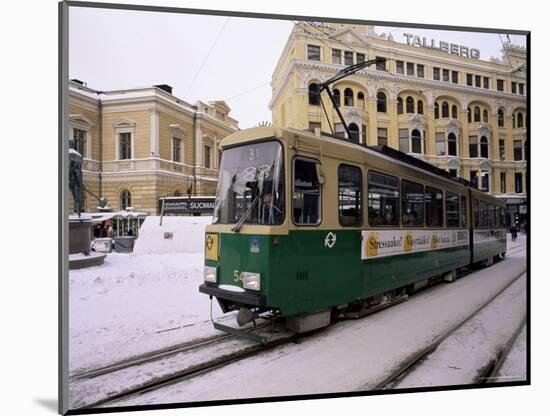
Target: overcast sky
{"points": [[203, 57]]}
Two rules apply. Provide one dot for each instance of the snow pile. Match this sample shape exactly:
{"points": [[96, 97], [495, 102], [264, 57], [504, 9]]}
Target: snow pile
{"points": [[177, 234]]}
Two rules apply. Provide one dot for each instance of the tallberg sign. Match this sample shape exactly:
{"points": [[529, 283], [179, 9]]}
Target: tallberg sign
{"points": [[452, 48]]}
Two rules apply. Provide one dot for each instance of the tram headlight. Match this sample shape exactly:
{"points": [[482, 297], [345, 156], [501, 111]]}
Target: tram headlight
{"points": [[210, 274], [251, 281]]}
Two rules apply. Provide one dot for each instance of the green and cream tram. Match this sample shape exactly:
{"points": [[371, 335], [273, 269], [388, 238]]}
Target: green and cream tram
{"points": [[309, 227]]}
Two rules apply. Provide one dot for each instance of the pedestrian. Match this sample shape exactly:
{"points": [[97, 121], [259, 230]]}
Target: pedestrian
{"points": [[514, 232]]}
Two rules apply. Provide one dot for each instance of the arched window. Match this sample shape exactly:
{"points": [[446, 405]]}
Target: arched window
{"points": [[485, 116], [314, 98], [520, 120], [451, 144], [354, 131], [348, 97], [477, 114], [336, 94], [514, 121], [416, 140], [381, 103], [360, 100], [420, 107], [445, 109], [177, 193], [484, 147], [469, 114], [399, 105], [410, 105], [125, 199], [454, 112], [436, 110], [500, 118]]}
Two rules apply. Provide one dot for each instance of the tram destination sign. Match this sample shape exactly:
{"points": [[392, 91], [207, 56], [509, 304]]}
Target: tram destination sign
{"points": [[186, 205], [452, 48]]}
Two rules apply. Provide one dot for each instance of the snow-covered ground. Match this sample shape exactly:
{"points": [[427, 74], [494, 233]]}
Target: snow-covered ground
{"points": [[353, 355], [136, 303], [460, 357]]}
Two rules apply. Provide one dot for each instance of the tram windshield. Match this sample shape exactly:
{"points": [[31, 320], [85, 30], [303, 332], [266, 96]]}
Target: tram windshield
{"points": [[251, 185]]}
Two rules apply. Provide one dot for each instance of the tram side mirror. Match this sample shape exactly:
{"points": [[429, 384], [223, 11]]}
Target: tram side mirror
{"points": [[320, 173]]}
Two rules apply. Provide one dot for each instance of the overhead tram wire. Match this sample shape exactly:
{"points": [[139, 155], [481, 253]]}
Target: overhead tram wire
{"points": [[206, 57], [246, 91]]}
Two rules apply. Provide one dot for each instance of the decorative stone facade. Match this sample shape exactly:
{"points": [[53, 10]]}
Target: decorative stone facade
{"points": [[145, 141], [429, 103]]}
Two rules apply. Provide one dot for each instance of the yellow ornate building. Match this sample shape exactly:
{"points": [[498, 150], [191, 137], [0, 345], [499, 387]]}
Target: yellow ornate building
{"points": [[432, 99], [142, 144]]}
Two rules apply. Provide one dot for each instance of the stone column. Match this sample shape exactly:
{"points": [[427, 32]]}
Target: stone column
{"points": [[199, 151], [463, 148], [430, 130], [493, 141], [393, 131], [155, 145], [509, 139], [372, 126]]}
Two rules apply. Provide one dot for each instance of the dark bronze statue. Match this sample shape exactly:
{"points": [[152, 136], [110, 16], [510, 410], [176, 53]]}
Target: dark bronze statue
{"points": [[75, 179]]}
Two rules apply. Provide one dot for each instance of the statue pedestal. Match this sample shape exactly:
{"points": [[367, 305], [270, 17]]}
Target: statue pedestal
{"points": [[80, 254]]}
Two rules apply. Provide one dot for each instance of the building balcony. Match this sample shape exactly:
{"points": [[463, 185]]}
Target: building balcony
{"points": [[147, 164], [91, 165]]}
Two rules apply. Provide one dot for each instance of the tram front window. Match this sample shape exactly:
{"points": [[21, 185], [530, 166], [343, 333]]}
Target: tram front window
{"points": [[251, 185]]}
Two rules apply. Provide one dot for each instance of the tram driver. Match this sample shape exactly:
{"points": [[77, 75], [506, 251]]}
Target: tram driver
{"points": [[270, 213]]}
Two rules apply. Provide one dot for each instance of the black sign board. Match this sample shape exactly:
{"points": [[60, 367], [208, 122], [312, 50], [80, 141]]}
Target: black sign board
{"points": [[186, 205]]}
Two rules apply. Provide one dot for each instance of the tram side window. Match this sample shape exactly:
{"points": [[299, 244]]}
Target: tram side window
{"points": [[502, 217], [383, 199], [306, 197], [350, 185], [492, 216], [476, 213], [452, 209], [412, 204], [484, 214], [434, 207], [463, 219]]}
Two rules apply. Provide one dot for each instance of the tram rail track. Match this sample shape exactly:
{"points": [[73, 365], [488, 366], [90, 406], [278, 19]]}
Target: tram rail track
{"points": [[147, 357], [108, 386], [490, 372], [408, 366]]}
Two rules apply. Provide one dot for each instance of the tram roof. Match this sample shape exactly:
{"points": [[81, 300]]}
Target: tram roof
{"points": [[271, 131]]}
